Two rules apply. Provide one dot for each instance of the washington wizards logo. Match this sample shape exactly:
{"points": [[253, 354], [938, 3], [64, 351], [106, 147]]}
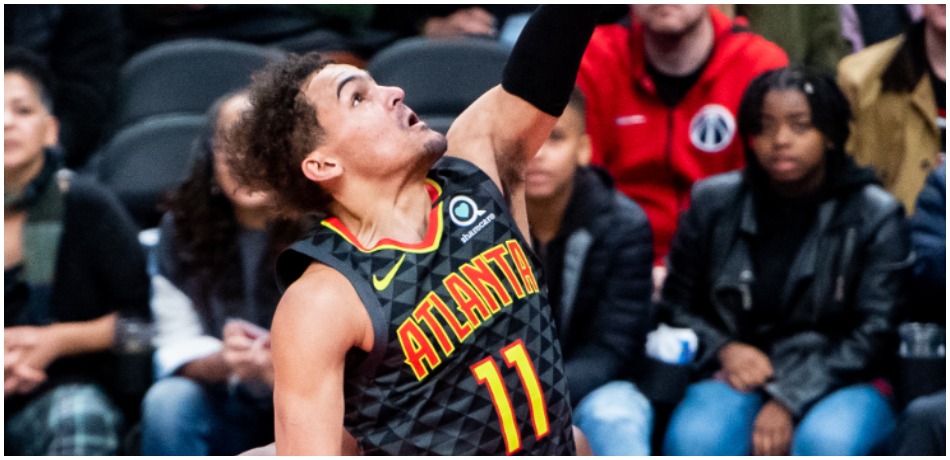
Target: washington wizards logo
{"points": [[463, 211], [712, 128]]}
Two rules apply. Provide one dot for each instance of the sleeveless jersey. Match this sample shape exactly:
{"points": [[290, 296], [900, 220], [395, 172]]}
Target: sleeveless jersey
{"points": [[465, 359]]}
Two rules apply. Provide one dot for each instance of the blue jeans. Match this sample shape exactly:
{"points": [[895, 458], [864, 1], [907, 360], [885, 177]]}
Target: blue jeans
{"points": [[616, 419], [714, 419], [183, 417]]}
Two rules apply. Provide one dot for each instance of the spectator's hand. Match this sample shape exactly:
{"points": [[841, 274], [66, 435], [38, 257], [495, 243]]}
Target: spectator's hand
{"points": [[38, 346], [772, 434], [19, 378], [468, 21], [745, 368], [247, 352]]}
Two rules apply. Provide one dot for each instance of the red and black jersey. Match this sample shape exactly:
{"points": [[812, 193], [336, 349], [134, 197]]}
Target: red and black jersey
{"points": [[466, 359]]}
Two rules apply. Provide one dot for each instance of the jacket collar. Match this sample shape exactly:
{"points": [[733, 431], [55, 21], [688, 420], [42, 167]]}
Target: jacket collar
{"points": [[591, 196]]}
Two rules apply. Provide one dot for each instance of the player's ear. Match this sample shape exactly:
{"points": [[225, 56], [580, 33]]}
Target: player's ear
{"points": [[319, 167]]}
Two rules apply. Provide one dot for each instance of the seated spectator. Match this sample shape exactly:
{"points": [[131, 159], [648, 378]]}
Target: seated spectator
{"points": [[218, 243], [661, 98], [791, 273], [72, 267], [898, 92], [597, 253], [923, 426], [82, 45]]}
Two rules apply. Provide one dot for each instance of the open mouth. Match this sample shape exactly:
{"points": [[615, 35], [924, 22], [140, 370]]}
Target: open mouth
{"points": [[414, 121]]}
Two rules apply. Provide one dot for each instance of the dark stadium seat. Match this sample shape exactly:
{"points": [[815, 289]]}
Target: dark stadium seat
{"points": [[441, 77], [144, 161], [184, 77]]}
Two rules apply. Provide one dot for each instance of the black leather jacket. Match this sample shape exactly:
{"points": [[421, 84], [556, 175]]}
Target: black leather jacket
{"points": [[841, 295]]}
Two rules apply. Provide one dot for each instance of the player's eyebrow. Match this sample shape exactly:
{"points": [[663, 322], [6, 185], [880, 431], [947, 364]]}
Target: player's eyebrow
{"points": [[347, 79]]}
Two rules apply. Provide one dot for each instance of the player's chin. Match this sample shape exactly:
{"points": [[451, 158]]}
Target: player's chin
{"points": [[436, 144]]}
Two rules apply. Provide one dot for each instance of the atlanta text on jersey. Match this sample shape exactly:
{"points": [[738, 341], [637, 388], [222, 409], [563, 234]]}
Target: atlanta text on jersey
{"points": [[477, 291]]}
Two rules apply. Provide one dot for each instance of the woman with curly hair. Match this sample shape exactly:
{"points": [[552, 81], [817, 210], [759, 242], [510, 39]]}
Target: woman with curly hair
{"points": [[218, 244]]}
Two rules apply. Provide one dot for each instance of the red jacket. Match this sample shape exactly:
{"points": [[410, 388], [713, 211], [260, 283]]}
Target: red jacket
{"points": [[655, 153]]}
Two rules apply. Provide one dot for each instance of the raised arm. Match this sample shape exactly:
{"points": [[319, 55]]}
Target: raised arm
{"points": [[505, 127], [318, 320]]}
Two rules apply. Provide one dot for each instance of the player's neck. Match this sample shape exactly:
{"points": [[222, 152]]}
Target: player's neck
{"points": [[401, 215]]}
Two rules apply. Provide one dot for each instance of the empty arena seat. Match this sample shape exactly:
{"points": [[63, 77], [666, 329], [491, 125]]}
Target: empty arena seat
{"points": [[441, 77]]}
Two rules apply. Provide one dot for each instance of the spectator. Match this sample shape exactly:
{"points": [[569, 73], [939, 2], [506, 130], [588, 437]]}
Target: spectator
{"points": [[597, 252], [791, 273], [72, 267], [661, 96], [218, 245], [898, 93], [810, 34], [923, 426], [82, 45], [866, 24]]}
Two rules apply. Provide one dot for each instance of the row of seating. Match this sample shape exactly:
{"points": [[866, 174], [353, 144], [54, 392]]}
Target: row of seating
{"points": [[164, 92]]}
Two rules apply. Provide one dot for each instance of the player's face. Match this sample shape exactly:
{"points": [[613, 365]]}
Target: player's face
{"points": [[671, 20], [790, 148], [241, 197], [366, 123], [28, 126], [551, 172]]}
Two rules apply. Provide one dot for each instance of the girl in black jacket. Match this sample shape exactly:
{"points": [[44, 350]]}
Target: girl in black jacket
{"points": [[790, 272]]}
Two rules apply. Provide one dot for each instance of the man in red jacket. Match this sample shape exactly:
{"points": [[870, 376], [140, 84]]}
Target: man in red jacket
{"points": [[662, 98]]}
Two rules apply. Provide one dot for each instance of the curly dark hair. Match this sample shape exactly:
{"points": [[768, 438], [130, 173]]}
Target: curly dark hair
{"points": [[272, 139], [207, 229]]}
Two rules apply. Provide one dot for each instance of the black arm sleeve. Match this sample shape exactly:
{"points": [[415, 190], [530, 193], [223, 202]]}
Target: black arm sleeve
{"points": [[543, 65]]}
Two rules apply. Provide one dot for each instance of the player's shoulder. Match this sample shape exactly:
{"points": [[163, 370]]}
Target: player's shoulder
{"points": [[318, 285], [323, 302]]}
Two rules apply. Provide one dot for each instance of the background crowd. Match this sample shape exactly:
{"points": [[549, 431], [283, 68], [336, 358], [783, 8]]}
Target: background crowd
{"points": [[770, 177]]}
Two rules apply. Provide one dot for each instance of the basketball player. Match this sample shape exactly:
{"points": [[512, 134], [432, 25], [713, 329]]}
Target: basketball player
{"points": [[415, 319]]}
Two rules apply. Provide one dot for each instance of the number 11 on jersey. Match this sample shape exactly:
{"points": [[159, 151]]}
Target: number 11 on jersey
{"points": [[488, 373]]}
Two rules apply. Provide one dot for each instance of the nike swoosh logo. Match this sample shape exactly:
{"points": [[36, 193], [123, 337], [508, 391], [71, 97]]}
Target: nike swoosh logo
{"points": [[381, 284]]}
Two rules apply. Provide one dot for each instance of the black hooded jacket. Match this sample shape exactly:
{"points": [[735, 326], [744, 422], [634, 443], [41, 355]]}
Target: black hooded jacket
{"points": [[598, 270], [818, 293]]}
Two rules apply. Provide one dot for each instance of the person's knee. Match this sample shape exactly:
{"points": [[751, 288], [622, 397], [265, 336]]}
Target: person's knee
{"points": [[170, 396], [83, 421], [712, 419], [832, 437], [926, 408], [616, 401], [616, 419], [693, 436], [854, 420]]}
